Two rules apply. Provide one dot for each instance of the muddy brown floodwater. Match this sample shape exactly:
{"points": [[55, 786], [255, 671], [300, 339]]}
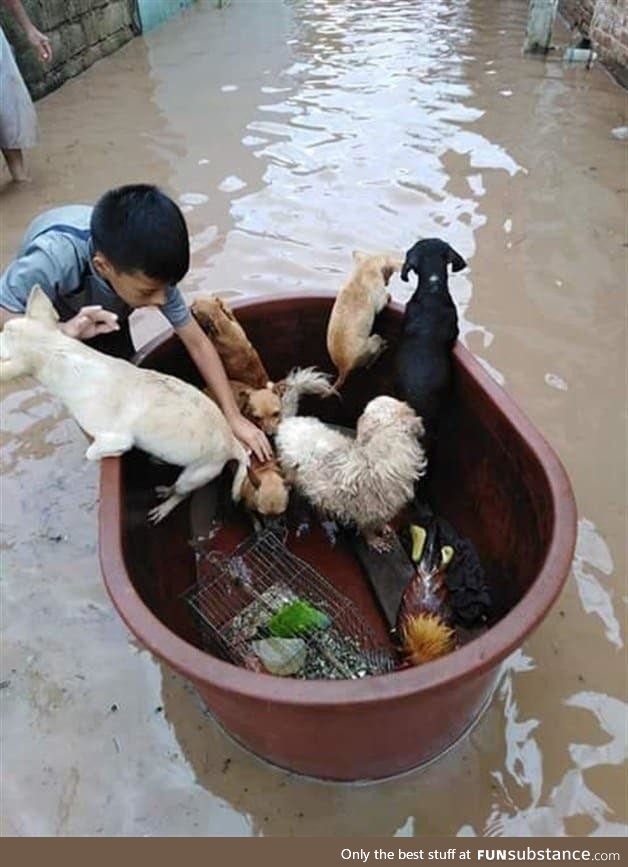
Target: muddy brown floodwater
{"points": [[291, 134]]}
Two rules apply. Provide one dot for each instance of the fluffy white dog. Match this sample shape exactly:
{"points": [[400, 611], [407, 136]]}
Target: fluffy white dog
{"points": [[363, 482], [122, 406]]}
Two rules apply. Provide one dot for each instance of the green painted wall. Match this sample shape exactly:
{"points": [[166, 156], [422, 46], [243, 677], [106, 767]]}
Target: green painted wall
{"points": [[155, 12]]}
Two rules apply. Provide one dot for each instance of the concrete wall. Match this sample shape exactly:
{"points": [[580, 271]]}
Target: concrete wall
{"points": [[605, 22], [81, 32]]}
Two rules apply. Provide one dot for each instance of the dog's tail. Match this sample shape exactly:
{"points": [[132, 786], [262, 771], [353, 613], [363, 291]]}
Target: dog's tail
{"points": [[240, 473], [301, 381]]}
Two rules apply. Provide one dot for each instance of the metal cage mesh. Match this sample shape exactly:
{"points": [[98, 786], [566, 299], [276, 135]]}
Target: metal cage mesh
{"points": [[234, 596]]}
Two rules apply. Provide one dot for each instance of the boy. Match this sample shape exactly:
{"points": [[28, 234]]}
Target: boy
{"points": [[98, 264]]}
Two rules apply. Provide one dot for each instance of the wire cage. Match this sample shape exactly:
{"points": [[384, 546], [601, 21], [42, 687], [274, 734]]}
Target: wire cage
{"points": [[236, 596]]}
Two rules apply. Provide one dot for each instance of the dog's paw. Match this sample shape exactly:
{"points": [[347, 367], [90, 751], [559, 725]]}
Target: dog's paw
{"points": [[163, 491], [158, 513]]}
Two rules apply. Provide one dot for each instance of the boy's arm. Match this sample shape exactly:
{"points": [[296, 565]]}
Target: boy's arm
{"points": [[88, 322], [209, 364], [38, 267]]}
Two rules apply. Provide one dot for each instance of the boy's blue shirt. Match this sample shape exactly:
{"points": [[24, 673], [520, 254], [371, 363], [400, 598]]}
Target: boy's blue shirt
{"points": [[56, 253]]}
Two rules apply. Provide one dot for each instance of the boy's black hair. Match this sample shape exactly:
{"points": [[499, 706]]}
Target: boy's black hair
{"points": [[138, 228]]}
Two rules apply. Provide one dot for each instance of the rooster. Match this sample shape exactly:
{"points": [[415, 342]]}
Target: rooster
{"points": [[424, 623]]}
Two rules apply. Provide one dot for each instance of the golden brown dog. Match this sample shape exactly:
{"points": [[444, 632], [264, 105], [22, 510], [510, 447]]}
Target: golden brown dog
{"points": [[265, 490], [261, 405], [239, 357], [266, 406], [349, 339]]}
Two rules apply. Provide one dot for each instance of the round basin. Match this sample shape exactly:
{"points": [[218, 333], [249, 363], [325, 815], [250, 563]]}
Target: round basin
{"points": [[494, 478]]}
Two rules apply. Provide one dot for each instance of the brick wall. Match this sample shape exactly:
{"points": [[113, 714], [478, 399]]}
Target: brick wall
{"points": [[609, 30], [81, 32], [605, 22]]}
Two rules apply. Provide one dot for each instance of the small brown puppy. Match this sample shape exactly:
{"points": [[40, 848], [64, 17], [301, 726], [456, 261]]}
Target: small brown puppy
{"points": [[265, 491], [239, 356], [349, 339], [262, 406], [266, 406]]}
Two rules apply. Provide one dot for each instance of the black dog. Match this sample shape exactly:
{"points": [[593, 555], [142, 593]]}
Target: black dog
{"points": [[430, 330]]}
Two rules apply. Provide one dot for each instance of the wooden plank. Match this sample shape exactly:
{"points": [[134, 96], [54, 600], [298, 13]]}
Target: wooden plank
{"points": [[388, 573]]}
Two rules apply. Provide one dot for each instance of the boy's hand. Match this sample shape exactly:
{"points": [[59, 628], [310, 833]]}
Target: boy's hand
{"points": [[251, 437], [90, 322]]}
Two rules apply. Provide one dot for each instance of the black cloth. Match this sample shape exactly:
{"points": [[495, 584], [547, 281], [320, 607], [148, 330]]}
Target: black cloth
{"points": [[117, 343]]}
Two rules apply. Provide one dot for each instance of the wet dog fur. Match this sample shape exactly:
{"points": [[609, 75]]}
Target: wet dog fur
{"points": [[349, 340]]}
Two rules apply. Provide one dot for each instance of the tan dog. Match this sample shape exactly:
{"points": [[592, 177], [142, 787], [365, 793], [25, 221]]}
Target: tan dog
{"points": [[265, 490], [349, 340], [122, 406], [261, 405], [266, 406], [239, 357]]}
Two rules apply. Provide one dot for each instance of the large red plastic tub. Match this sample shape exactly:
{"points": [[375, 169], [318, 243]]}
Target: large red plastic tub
{"points": [[494, 478]]}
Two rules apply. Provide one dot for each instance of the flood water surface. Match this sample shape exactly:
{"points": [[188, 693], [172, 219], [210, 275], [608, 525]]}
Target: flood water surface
{"points": [[292, 133]]}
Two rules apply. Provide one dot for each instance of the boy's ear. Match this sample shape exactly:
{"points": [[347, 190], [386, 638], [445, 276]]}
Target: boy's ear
{"points": [[102, 265], [40, 307]]}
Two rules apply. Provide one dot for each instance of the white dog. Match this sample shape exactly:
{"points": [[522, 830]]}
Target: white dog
{"points": [[364, 482], [122, 406]]}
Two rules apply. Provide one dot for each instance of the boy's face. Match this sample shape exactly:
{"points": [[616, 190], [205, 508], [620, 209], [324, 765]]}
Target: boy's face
{"points": [[135, 288]]}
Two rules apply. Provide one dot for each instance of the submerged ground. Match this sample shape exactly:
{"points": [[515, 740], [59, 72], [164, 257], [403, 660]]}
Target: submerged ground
{"points": [[291, 134]]}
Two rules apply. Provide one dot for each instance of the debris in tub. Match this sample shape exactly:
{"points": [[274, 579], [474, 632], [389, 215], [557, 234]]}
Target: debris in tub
{"points": [[281, 656], [329, 653], [262, 591], [331, 531]]}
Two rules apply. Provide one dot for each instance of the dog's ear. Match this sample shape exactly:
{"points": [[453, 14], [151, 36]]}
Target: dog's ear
{"points": [[455, 259], [40, 307], [278, 388], [204, 320], [253, 478], [359, 257], [226, 309], [387, 272], [242, 394], [411, 263]]}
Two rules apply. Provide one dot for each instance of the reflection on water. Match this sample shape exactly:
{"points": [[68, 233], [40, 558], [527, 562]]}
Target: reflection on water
{"points": [[523, 770], [291, 134], [592, 550]]}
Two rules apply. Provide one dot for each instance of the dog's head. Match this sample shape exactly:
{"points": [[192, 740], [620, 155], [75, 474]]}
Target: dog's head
{"points": [[431, 252], [383, 413], [261, 405], [212, 314], [373, 271], [28, 331], [265, 491]]}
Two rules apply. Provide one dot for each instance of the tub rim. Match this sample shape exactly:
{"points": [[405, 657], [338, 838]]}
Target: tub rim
{"points": [[473, 659]]}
